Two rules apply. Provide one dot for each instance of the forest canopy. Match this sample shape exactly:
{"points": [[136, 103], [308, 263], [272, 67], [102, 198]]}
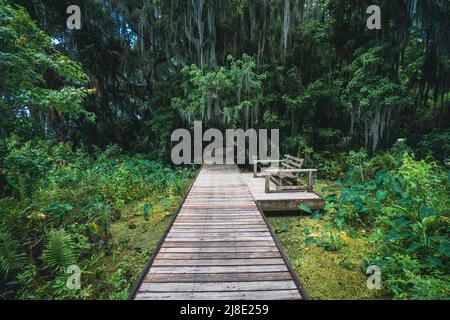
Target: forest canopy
{"points": [[328, 80]]}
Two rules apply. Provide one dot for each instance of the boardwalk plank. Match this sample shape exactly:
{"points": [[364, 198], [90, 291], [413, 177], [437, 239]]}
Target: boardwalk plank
{"points": [[218, 269], [217, 286], [218, 262], [205, 244], [217, 277], [235, 250], [218, 255], [238, 295]]}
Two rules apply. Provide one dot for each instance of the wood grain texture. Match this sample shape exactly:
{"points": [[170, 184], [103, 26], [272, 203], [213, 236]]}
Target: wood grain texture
{"points": [[217, 277], [219, 247], [221, 295]]}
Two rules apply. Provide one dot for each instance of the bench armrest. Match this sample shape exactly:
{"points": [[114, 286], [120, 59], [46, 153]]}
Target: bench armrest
{"points": [[267, 161], [274, 171], [256, 161]]}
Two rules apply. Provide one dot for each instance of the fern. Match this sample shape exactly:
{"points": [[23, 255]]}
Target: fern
{"points": [[11, 259], [59, 251]]}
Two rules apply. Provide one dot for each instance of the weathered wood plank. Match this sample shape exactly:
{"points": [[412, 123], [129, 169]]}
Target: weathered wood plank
{"points": [[217, 277], [175, 234], [220, 244], [218, 255], [218, 262], [238, 295], [219, 224], [220, 249], [218, 230], [217, 269], [217, 286], [215, 239]]}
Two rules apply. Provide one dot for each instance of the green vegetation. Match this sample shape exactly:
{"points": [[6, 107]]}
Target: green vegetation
{"points": [[62, 205], [104, 213], [87, 116], [391, 211]]}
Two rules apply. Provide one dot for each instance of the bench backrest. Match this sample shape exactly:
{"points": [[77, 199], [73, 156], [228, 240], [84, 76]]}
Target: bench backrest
{"points": [[290, 162]]}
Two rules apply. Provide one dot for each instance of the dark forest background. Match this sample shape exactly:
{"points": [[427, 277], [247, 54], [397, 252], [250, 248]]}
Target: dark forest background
{"points": [[329, 83]]}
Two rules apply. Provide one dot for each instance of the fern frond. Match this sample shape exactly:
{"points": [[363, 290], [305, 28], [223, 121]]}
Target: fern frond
{"points": [[59, 252], [11, 259]]}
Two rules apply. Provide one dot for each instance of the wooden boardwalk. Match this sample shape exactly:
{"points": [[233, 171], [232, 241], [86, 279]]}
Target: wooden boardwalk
{"points": [[219, 247]]}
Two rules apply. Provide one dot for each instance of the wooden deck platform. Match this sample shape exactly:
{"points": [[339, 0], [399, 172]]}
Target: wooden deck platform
{"points": [[219, 247], [280, 201]]}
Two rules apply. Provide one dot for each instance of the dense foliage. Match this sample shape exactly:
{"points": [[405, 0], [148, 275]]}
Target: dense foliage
{"points": [[62, 210], [86, 119], [405, 203], [40, 87]]}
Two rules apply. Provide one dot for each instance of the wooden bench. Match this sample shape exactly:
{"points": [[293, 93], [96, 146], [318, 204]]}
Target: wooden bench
{"points": [[285, 177]]}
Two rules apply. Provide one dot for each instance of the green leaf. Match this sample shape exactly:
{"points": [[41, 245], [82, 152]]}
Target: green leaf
{"points": [[394, 236], [147, 209], [342, 212], [381, 194], [283, 229], [340, 222], [306, 230], [353, 233], [311, 240], [416, 246], [380, 178], [444, 248], [426, 212], [401, 222], [317, 215], [396, 187], [59, 207], [305, 208], [435, 261]]}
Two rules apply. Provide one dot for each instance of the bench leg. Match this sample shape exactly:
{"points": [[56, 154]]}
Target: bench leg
{"points": [[255, 167]]}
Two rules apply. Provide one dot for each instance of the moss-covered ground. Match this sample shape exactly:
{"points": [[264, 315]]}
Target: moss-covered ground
{"points": [[328, 262], [133, 241]]}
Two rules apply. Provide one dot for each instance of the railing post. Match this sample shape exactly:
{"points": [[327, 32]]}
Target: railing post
{"points": [[310, 181], [255, 166], [267, 183]]}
